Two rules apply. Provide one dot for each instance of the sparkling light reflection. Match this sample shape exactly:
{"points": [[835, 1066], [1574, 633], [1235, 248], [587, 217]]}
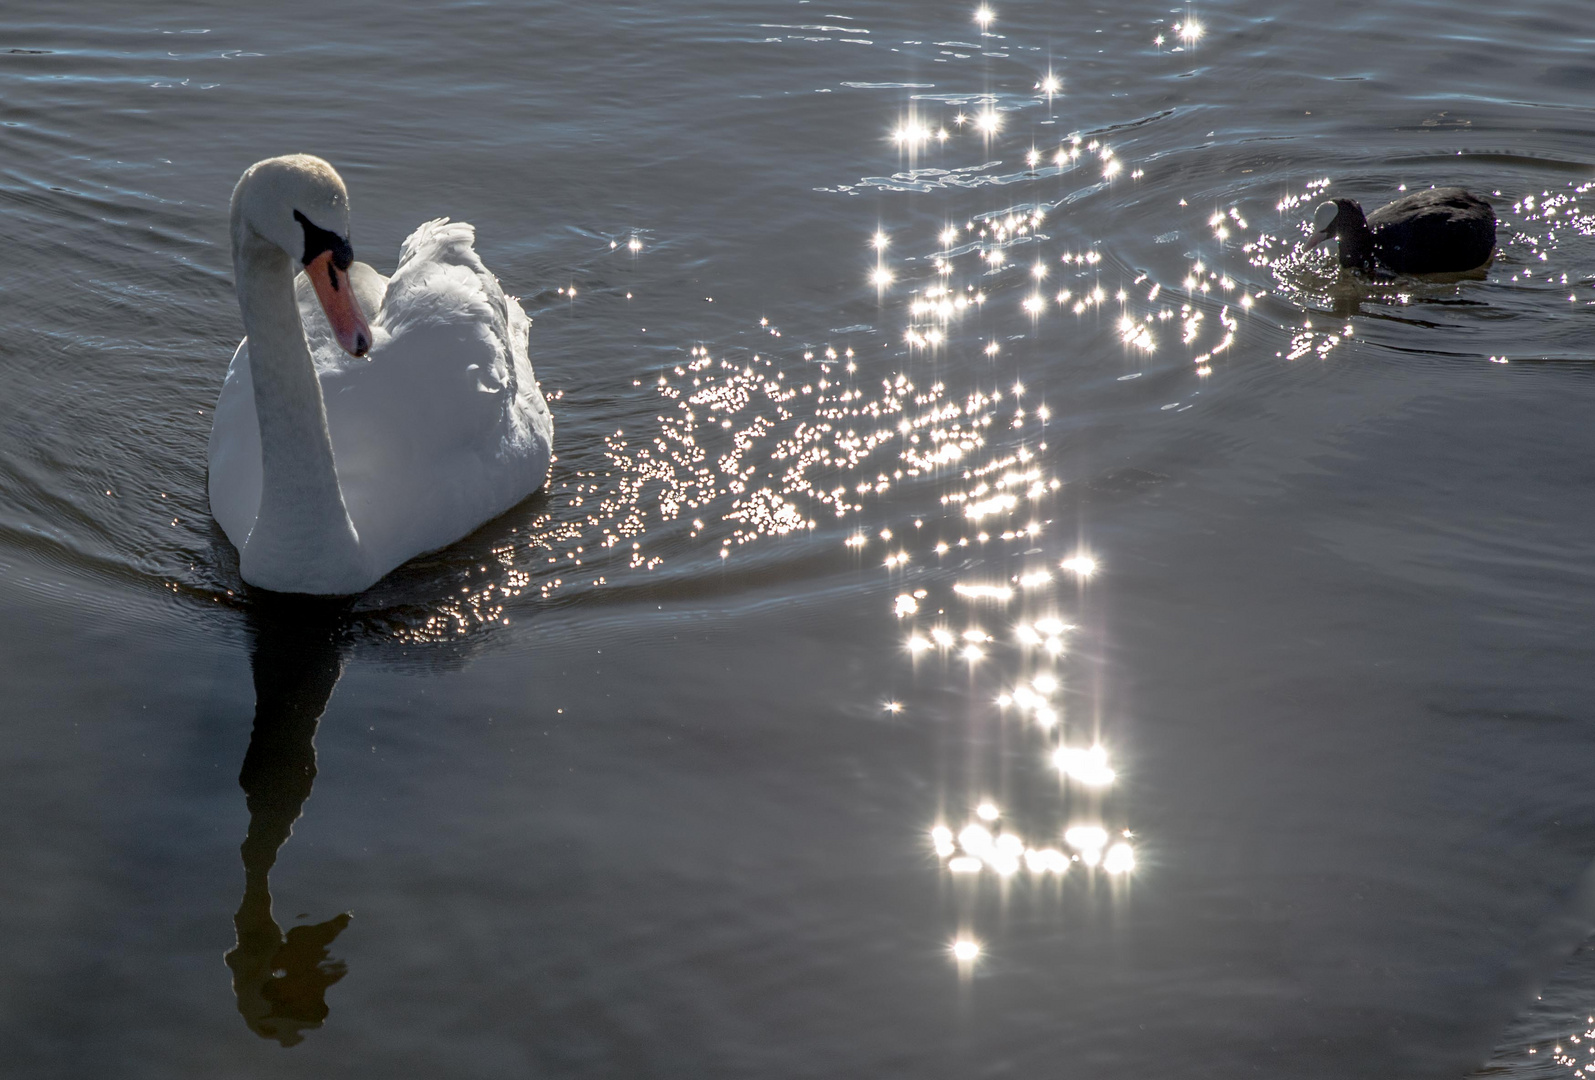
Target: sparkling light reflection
{"points": [[943, 397], [1083, 565], [1088, 765]]}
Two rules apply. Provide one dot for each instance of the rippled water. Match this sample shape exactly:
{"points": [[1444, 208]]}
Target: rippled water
{"points": [[1000, 604]]}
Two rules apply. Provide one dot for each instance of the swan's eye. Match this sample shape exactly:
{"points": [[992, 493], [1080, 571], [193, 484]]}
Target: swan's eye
{"points": [[332, 274], [318, 240]]}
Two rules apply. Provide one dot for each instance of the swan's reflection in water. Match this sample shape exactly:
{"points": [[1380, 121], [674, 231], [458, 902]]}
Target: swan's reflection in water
{"points": [[280, 979]]}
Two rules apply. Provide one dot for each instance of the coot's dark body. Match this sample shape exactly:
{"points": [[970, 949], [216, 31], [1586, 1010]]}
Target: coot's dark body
{"points": [[1439, 231]]}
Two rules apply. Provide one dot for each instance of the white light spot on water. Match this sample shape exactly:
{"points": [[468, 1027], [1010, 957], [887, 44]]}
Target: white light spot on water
{"points": [[984, 592], [1084, 838], [1088, 766], [1083, 565], [1052, 861]]}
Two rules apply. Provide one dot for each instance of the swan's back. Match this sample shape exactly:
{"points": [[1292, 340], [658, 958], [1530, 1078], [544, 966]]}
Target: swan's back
{"points": [[437, 430]]}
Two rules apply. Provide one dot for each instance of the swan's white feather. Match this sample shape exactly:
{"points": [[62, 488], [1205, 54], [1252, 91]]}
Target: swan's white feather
{"points": [[438, 429]]}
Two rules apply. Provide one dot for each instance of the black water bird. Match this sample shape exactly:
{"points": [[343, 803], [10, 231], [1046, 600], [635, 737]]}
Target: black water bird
{"points": [[1439, 231]]}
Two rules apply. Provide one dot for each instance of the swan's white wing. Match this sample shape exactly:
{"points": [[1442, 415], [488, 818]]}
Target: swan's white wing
{"points": [[234, 477], [441, 427]]}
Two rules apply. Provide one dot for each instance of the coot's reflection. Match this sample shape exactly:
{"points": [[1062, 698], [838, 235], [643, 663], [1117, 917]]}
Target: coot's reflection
{"points": [[281, 979]]}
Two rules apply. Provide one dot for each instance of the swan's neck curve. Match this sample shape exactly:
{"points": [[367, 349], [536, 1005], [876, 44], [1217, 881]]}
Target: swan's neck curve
{"points": [[302, 540]]}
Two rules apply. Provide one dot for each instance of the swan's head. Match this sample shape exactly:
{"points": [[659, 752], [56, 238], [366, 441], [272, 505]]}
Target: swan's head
{"points": [[299, 204]]}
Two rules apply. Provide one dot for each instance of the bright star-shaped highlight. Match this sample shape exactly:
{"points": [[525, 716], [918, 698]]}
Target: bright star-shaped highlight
{"points": [[912, 134], [1088, 766], [1120, 859], [989, 121], [1084, 565], [879, 240], [881, 277], [1190, 30], [1051, 84], [983, 16], [965, 950]]}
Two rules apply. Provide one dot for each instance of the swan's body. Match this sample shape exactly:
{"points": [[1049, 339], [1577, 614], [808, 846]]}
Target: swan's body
{"points": [[327, 470]]}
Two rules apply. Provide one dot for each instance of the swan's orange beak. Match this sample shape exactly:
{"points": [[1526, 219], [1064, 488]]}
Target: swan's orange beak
{"points": [[337, 300]]}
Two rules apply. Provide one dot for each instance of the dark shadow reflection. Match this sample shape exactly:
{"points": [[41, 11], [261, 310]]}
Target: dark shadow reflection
{"points": [[281, 980]]}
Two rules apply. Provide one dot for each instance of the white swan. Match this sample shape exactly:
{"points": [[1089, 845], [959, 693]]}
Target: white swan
{"points": [[329, 465]]}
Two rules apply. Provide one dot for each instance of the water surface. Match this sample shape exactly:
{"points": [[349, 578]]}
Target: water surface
{"points": [[1000, 605]]}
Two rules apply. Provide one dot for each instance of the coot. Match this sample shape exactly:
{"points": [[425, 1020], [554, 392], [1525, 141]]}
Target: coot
{"points": [[1439, 231]]}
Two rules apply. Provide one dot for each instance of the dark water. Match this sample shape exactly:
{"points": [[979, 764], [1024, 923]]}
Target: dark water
{"points": [[641, 779]]}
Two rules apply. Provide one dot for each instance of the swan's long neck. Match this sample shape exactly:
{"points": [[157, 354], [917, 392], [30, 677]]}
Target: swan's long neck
{"points": [[303, 540]]}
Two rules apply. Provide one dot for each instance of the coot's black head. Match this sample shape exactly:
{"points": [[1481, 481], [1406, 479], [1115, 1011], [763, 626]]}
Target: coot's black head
{"points": [[1343, 220]]}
